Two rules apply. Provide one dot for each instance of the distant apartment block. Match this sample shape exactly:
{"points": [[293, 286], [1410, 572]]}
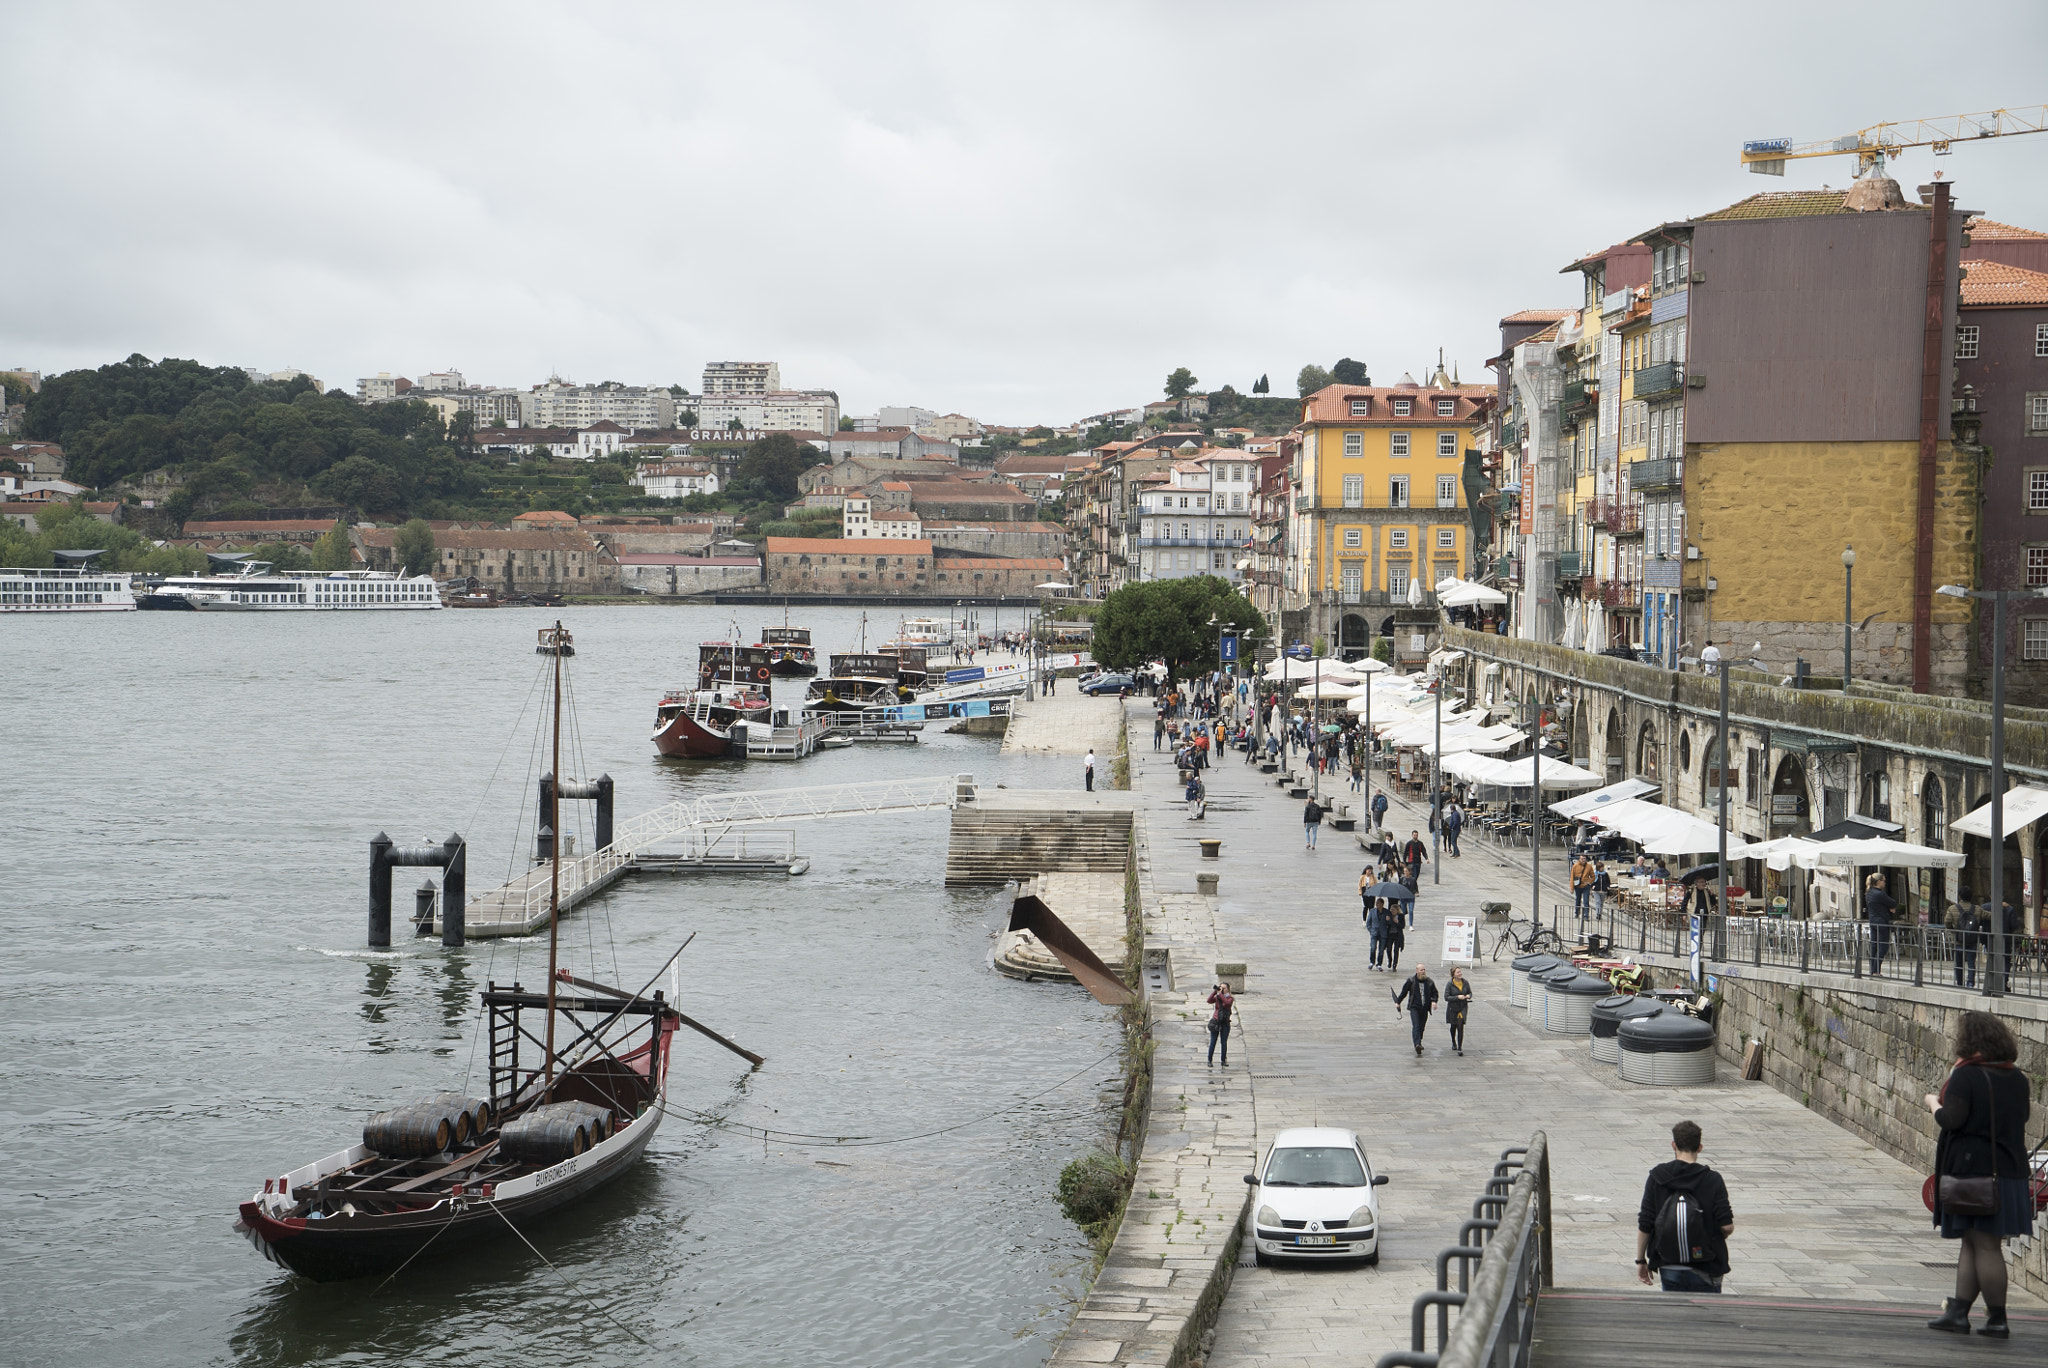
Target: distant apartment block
{"points": [[381, 388], [258, 376], [441, 380], [561, 404], [775, 411], [741, 377]]}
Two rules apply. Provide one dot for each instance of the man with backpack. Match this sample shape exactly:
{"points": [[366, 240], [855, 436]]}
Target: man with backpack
{"points": [[1683, 1225], [1379, 809]]}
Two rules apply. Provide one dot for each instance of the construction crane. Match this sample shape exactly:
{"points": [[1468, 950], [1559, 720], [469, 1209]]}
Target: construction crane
{"points": [[1767, 156]]}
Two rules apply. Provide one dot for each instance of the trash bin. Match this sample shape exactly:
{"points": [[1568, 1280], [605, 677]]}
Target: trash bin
{"points": [[1668, 1050], [1521, 969], [1568, 1001], [1608, 1014]]}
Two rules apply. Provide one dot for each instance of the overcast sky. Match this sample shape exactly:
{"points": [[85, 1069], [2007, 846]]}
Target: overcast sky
{"points": [[1024, 212]]}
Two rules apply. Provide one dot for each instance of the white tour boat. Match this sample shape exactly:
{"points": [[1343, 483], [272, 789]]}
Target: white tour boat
{"points": [[256, 590], [69, 589]]}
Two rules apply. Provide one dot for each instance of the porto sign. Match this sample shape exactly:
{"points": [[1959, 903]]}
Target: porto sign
{"points": [[1228, 649]]}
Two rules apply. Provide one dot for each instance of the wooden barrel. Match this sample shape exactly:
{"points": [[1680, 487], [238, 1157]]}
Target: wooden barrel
{"points": [[554, 1132], [413, 1132], [472, 1115]]}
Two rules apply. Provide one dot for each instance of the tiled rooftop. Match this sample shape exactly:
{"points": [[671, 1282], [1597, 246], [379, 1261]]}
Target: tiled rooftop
{"points": [[1992, 283]]}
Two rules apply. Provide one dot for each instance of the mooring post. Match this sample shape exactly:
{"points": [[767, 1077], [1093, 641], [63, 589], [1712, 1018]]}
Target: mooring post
{"points": [[454, 890], [380, 890], [543, 843], [604, 811], [423, 909]]}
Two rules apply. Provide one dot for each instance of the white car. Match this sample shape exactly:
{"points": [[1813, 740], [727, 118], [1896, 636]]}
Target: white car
{"points": [[1313, 1198]]}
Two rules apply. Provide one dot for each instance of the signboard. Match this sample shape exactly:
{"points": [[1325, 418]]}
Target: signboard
{"points": [[966, 676], [727, 434], [1460, 936], [1227, 650], [1693, 938], [1300, 650], [1418, 644], [1528, 497]]}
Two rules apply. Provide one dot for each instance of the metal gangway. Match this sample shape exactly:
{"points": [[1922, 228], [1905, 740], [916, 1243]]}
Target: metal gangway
{"points": [[521, 906]]}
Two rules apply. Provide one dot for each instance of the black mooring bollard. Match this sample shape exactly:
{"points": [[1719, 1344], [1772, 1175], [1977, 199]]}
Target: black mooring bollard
{"points": [[380, 890], [423, 910], [454, 889]]}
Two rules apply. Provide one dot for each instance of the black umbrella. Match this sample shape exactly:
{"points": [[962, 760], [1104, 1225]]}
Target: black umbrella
{"points": [[1698, 872], [1399, 892]]}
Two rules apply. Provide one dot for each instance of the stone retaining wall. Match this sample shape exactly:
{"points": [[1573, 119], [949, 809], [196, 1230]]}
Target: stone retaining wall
{"points": [[1863, 1053]]}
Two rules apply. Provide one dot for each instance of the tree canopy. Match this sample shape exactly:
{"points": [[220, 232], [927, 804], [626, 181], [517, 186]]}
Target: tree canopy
{"points": [[1180, 383], [1264, 386], [414, 545], [1169, 620], [1311, 379], [771, 466], [1349, 372], [228, 433]]}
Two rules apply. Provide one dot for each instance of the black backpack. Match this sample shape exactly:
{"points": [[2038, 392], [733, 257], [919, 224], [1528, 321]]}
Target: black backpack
{"points": [[1681, 1234]]}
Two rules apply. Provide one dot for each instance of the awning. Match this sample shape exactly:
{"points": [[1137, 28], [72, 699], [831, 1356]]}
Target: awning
{"points": [[1890, 854], [1806, 743], [1585, 803], [2022, 805], [1856, 829]]}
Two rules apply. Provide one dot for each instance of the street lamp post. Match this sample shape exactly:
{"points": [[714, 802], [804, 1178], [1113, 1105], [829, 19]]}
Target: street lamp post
{"points": [[1536, 810], [1848, 584], [1994, 972]]}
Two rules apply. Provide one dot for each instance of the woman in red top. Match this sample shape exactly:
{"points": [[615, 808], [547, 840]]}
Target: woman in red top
{"points": [[1219, 1022]]}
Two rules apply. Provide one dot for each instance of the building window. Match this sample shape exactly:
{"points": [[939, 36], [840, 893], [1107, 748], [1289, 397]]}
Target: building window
{"points": [[2037, 566], [1353, 580], [1354, 444], [1397, 579], [1360, 407], [1354, 537], [1400, 444], [1446, 407], [1446, 491], [1215, 560], [1397, 538], [1966, 342], [1401, 408], [1447, 537], [1447, 444], [2037, 491], [2034, 641], [2037, 413], [1354, 491], [1397, 491], [2041, 339]]}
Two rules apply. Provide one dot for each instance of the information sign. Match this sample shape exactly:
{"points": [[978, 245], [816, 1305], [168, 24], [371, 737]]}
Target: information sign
{"points": [[1460, 936]]}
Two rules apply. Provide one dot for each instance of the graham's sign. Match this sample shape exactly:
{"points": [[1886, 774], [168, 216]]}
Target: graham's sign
{"points": [[727, 434]]}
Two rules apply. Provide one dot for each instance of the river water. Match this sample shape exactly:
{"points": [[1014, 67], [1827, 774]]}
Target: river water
{"points": [[189, 1006]]}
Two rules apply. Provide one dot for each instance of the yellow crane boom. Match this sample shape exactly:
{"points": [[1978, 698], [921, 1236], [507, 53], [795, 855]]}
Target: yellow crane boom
{"points": [[1870, 146]]}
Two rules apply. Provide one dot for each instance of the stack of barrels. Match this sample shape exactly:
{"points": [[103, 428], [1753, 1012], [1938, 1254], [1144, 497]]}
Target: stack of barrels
{"points": [[554, 1131], [421, 1130]]}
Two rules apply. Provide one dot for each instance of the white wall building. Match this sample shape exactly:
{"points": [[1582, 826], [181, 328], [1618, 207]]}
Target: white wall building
{"points": [[599, 440], [380, 388], [1196, 522], [777, 411], [742, 377], [675, 479], [441, 380], [561, 404]]}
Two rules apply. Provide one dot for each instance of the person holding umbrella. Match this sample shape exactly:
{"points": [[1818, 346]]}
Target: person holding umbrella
{"points": [[1383, 911]]}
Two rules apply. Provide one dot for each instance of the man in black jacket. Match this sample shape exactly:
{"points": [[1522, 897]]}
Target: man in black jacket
{"points": [[1420, 994], [1685, 1174]]}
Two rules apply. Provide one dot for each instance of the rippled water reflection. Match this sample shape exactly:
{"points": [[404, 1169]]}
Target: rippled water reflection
{"points": [[189, 1007]]}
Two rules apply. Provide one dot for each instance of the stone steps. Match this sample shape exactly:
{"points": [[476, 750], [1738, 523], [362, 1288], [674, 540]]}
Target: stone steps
{"points": [[992, 847]]}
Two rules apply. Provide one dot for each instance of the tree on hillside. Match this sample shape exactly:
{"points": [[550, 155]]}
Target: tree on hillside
{"points": [[1349, 372], [773, 464], [1311, 379], [414, 545], [1264, 386], [333, 551], [1169, 620], [1179, 383]]}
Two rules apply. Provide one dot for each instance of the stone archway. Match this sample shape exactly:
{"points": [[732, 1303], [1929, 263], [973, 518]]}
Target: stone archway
{"points": [[1354, 633], [1582, 738], [1617, 747], [1647, 747], [1791, 815]]}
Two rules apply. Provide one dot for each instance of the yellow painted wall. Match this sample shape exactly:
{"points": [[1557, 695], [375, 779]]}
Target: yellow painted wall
{"points": [[1771, 518]]}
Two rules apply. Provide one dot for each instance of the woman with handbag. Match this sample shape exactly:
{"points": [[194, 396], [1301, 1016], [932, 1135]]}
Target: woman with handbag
{"points": [[1980, 1162]]}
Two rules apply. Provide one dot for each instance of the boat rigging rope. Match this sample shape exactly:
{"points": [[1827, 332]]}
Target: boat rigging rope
{"points": [[452, 1214], [570, 1282], [801, 1138]]}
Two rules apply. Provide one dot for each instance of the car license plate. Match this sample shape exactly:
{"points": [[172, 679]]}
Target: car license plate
{"points": [[1315, 1239]]}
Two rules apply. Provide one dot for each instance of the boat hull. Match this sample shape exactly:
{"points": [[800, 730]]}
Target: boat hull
{"points": [[343, 1247], [688, 739], [788, 665]]}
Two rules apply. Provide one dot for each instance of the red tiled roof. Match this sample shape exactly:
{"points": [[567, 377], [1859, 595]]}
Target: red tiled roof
{"points": [[544, 515], [1781, 204], [1990, 230], [1990, 284], [1537, 315], [1332, 404], [235, 528]]}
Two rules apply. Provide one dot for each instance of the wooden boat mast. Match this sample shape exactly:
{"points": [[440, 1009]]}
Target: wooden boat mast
{"points": [[554, 861]]}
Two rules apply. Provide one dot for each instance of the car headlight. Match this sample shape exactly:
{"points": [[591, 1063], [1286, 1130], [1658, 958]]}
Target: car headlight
{"points": [[1269, 1217], [1362, 1216]]}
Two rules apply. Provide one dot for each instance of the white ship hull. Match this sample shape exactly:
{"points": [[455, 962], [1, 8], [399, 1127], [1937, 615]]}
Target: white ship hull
{"points": [[348, 591], [65, 591]]}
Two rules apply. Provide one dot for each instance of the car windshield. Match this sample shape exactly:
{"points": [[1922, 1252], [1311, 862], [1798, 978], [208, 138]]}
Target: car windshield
{"points": [[1315, 1166]]}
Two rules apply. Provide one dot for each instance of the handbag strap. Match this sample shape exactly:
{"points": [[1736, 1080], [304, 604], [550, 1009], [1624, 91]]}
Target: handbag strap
{"points": [[1992, 1094]]}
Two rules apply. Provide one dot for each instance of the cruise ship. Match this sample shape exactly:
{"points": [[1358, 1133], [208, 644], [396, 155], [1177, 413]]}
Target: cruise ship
{"points": [[255, 590], [70, 589]]}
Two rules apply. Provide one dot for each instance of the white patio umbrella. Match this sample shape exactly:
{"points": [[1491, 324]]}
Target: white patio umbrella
{"points": [[1686, 835], [1470, 596], [1877, 851], [1522, 773], [1779, 854]]}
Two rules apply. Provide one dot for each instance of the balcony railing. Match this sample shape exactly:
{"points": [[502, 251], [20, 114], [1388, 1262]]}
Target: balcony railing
{"points": [[1666, 472], [1595, 511], [1666, 377], [1221, 542], [1621, 594], [1510, 434], [1580, 395], [1567, 566], [1379, 499], [1625, 519]]}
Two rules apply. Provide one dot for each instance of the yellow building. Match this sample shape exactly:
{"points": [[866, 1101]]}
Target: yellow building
{"points": [[1379, 501]]}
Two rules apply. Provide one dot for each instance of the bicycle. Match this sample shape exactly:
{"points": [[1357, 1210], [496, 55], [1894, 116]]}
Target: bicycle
{"points": [[1540, 939]]}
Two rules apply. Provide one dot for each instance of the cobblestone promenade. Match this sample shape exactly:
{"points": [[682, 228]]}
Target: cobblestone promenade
{"points": [[1819, 1214]]}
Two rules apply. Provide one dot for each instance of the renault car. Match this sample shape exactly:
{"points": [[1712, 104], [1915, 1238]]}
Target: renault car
{"points": [[1313, 1198]]}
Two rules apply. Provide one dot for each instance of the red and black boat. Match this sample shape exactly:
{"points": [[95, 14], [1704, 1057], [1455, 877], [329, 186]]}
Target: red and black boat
{"points": [[790, 653], [557, 1123], [697, 724]]}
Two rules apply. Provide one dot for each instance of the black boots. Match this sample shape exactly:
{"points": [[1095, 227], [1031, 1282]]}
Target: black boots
{"points": [[1994, 1324], [1955, 1317]]}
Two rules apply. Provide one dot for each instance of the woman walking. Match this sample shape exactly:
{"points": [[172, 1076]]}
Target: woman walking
{"points": [[1457, 1001], [1981, 1189], [1219, 1022]]}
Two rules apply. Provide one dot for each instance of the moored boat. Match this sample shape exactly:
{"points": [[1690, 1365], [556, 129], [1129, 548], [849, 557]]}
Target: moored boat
{"points": [[697, 724], [790, 653], [728, 662]]}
